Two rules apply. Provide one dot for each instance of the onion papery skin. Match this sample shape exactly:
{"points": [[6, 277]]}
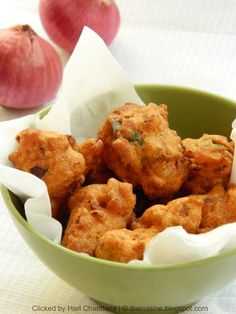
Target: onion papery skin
{"points": [[64, 20], [30, 68]]}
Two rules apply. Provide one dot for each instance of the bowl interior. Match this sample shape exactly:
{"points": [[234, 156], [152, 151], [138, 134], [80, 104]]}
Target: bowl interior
{"points": [[191, 113]]}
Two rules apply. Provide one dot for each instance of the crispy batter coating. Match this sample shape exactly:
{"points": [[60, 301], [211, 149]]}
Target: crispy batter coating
{"points": [[140, 149], [91, 149], [185, 211], [51, 157], [211, 161], [96, 209], [124, 245], [196, 213], [219, 208]]}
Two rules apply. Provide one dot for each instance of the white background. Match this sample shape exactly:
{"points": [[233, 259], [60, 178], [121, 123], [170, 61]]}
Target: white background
{"points": [[182, 42]]}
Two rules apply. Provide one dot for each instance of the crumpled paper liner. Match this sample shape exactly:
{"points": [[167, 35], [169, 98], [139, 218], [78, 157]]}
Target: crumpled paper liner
{"points": [[93, 85], [174, 245]]}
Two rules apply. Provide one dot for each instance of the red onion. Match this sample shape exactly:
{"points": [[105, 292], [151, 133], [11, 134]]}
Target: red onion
{"points": [[64, 20], [30, 68]]}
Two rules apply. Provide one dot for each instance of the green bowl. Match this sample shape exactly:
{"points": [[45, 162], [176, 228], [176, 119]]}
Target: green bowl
{"points": [[126, 288]]}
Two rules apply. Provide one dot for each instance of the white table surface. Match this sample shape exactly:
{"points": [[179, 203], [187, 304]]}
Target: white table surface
{"points": [[183, 42]]}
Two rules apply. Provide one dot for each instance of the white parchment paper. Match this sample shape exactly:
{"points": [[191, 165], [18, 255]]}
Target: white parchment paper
{"points": [[93, 85], [174, 245]]}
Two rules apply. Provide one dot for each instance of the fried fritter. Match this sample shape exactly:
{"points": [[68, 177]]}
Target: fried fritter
{"points": [[140, 149], [211, 159], [196, 213], [124, 245], [95, 171], [219, 208], [51, 157], [185, 211], [96, 209], [91, 149]]}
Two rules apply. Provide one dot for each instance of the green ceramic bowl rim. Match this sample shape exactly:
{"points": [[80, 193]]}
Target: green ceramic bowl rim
{"points": [[188, 89], [25, 224]]}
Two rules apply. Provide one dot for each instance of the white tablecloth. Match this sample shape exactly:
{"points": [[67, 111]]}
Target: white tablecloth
{"points": [[183, 42]]}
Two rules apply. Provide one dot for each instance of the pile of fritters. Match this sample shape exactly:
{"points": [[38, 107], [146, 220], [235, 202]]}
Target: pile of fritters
{"points": [[95, 186]]}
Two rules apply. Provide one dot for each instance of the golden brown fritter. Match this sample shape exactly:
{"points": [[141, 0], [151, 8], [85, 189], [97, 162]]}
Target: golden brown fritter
{"points": [[96, 209], [95, 171], [91, 149], [219, 208], [210, 162], [196, 213], [140, 149], [185, 211], [51, 157], [124, 245]]}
